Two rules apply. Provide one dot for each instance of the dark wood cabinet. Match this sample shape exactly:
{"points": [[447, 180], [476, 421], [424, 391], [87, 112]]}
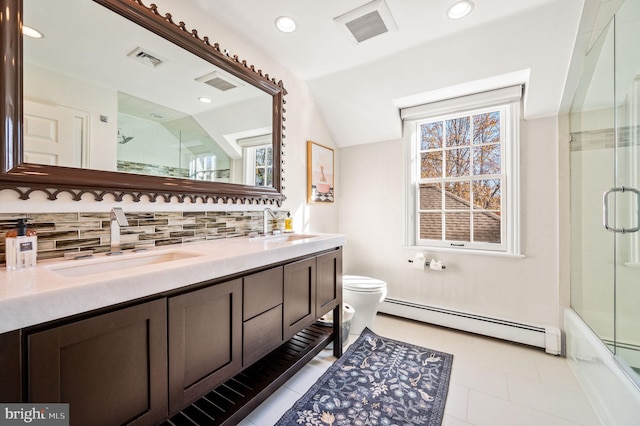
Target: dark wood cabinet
{"points": [[328, 281], [261, 335], [11, 366], [312, 287], [205, 343], [299, 296], [261, 292], [111, 368], [141, 364], [262, 301]]}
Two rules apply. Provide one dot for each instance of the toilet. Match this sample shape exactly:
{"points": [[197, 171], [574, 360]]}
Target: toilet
{"points": [[364, 294]]}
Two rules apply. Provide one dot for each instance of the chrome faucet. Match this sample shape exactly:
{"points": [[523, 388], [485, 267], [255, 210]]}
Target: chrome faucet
{"points": [[265, 220], [118, 219]]}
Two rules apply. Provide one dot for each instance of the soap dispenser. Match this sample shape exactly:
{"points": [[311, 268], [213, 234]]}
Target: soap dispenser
{"points": [[21, 247], [288, 223]]}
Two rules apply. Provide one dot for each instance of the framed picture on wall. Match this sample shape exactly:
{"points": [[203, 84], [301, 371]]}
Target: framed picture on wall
{"points": [[320, 186]]}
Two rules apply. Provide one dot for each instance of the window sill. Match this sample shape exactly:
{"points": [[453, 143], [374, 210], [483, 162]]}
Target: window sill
{"points": [[465, 251]]}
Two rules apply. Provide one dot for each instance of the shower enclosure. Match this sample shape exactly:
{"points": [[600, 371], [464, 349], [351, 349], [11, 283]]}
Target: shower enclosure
{"points": [[605, 197]]}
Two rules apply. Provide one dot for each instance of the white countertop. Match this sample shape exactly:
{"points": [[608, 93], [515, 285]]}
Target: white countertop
{"points": [[33, 296]]}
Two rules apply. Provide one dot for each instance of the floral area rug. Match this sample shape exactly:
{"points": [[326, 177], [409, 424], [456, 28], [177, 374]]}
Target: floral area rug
{"points": [[378, 381]]}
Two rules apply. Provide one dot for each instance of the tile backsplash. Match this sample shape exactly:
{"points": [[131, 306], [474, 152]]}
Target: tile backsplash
{"points": [[60, 233]]}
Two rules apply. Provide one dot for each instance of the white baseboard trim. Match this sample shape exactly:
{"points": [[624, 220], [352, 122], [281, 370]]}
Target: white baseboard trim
{"points": [[548, 338]]}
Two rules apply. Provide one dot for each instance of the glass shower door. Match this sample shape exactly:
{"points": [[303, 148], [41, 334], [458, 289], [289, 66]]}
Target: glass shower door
{"points": [[623, 200], [592, 173]]}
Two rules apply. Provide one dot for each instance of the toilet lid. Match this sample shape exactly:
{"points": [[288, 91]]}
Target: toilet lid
{"points": [[359, 283]]}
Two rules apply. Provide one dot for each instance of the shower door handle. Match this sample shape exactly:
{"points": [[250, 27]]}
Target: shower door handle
{"points": [[605, 210]]}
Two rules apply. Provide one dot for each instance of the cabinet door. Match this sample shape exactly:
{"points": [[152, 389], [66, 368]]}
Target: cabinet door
{"points": [[205, 338], [329, 281], [299, 296], [111, 369], [11, 367]]}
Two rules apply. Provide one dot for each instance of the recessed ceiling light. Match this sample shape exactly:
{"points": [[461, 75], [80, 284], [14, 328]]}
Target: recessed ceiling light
{"points": [[285, 24], [204, 100], [31, 32], [460, 9]]}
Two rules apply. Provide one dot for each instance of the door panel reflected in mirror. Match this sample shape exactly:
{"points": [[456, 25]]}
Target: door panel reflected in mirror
{"points": [[103, 93]]}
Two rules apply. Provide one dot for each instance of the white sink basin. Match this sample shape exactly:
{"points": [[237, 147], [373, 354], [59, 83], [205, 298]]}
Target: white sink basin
{"points": [[282, 238], [79, 268]]}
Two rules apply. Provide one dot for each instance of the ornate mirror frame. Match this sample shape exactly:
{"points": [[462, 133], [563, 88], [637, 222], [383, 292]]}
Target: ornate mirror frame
{"points": [[26, 178]]}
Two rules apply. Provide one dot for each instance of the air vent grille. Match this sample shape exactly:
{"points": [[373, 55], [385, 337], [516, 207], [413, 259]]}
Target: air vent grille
{"points": [[219, 80], [367, 26], [367, 21], [144, 56], [219, 84]]}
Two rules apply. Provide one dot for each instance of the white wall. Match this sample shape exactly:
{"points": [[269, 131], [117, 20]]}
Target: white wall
{"points": [[153, 143], [303, 123], [371, 197], [49, 87]]}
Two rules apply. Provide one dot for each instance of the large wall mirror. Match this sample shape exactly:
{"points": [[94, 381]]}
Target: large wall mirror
{"points": [[118, 98]]}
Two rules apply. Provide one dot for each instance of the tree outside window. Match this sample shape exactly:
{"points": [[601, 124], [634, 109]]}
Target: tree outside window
{"points": [[263, 167], [460, 179]]}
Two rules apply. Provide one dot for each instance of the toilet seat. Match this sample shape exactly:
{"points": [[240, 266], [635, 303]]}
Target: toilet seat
{"points": [[364, 294], [362, 284]]}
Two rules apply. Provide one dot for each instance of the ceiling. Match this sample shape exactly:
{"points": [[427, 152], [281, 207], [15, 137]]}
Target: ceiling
{"points": [[359, 88]]}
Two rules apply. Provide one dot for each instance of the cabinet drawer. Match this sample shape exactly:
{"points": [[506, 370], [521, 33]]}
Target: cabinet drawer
{"points": [[262, 291], [261, 335]]}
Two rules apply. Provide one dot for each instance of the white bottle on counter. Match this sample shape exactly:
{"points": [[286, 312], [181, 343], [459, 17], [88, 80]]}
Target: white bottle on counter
{"points": [[21, 247]]}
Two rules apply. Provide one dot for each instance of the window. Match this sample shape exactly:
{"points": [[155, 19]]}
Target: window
{"points": [[462, 173], [205, 167], [257, 154], [263, 166]]}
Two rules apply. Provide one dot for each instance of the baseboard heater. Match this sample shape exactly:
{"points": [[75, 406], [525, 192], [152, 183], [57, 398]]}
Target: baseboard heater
{"points": [[548, 338]]}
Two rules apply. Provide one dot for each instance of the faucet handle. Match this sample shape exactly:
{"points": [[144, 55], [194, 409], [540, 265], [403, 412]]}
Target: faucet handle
{"points": [[118, 214]]}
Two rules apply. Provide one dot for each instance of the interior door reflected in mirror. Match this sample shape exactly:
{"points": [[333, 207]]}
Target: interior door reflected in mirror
{"points": [[103, 93]]}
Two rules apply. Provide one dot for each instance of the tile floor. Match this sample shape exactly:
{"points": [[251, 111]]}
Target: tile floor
{"points": [[492, 383]]}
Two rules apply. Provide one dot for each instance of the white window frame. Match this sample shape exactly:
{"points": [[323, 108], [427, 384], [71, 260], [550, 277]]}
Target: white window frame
{"points": [[249, 147], [249, 155], [507, 100]]}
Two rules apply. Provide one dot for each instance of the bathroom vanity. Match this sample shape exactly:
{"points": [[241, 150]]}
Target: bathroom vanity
{"points": [[205, 330]]}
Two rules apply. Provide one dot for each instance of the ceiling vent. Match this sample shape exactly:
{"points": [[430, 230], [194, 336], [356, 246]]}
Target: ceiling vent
{"points": [[367, 21], [219, 81], [144, 56]]}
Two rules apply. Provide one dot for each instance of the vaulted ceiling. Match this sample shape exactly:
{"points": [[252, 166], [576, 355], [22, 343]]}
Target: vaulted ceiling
{"points": [[359, 87]]}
